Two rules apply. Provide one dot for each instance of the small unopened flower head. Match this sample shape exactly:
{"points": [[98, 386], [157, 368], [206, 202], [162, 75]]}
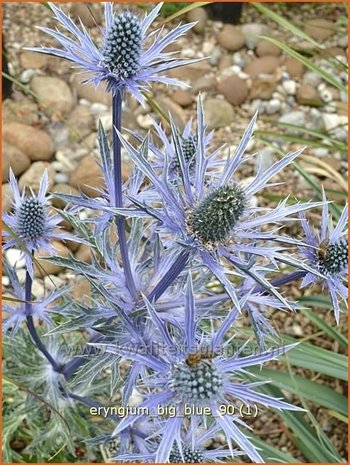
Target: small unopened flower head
{"points": [[212, 221], [31, 218], [198, 383], [188, 147], [188, 455], [31, 224], [121, 53], [333, 259]]}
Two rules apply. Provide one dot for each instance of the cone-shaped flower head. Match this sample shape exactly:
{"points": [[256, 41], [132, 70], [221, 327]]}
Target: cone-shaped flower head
{"points": [[127, 57], [328, 254], [32, 226]]}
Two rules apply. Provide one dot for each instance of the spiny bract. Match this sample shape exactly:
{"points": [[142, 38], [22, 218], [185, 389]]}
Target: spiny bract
{"points": [[212, 221]]}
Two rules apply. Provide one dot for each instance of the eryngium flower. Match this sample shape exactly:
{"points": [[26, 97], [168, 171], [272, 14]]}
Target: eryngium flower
{"points": [[211, 215], [328, 254], [198, 369], [16, 311], [128, 57], [32, 223]]}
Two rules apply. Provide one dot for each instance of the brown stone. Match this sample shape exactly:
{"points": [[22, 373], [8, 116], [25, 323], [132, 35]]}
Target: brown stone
{"points": [[231, 38], [294, 68], [32, 177], [199, 16], [33, 60], [87, 176], [266, 48], [23, 111], [90, 92], [62, 189], [234, 90], [45, 267], [80, 122], [81, 290], [262, 88], [34, 142], [89, 13], [7, 198], [83, 253], [263, 65], [320, 29], [14, 158], [308, 95], [184, 98], [190, 72], [54, 94]]}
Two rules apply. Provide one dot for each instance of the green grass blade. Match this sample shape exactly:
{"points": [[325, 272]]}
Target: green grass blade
{"points": [[318, 393], [308, 63], [284, 23], [185, 10], [331, 332]]}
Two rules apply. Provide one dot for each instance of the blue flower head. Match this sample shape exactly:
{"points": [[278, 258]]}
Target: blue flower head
{"points": [[32, 223], [128, 57], [211, 214], [328, 254], [195, 367]]}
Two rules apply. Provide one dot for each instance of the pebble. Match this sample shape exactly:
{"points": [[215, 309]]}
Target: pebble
{"points": [[326, 95], [238, 59], [31, 178], [14, 158], [80, 122], [320, 152], [273, 106], [53, 93], [46, 268], [264, 48], [26, 75], [331, 120], [83, 253], [263, 65], [262, 88], [7, 198], [289, 87], [311, 78], [106, 121], [234, 90], [5, 281], [62, 189], [231, 38], [144, 121], [90, 92], [294, 68], [308, 95], [38, 289], [34, 142], [61, 178], [251, 32], [13, 256], [23, 111], [33, 60], [214, 57], [97, 108], [200, 16], [319, 28], [219, 113], [343, 41], [294, 117], [83, 12], [208, 48], [87, 176], [183, 97]]}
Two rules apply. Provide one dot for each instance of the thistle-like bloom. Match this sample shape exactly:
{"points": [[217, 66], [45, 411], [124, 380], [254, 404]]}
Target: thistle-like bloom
{"points": [[31, 225], [128, 57], [212, 216], [189, 447], [41, 309], [328, 254], [194, 368]]}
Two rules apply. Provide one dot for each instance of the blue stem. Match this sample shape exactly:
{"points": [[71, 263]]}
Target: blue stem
{"points": [[176, 268], [30, 324], [117, 164]]}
